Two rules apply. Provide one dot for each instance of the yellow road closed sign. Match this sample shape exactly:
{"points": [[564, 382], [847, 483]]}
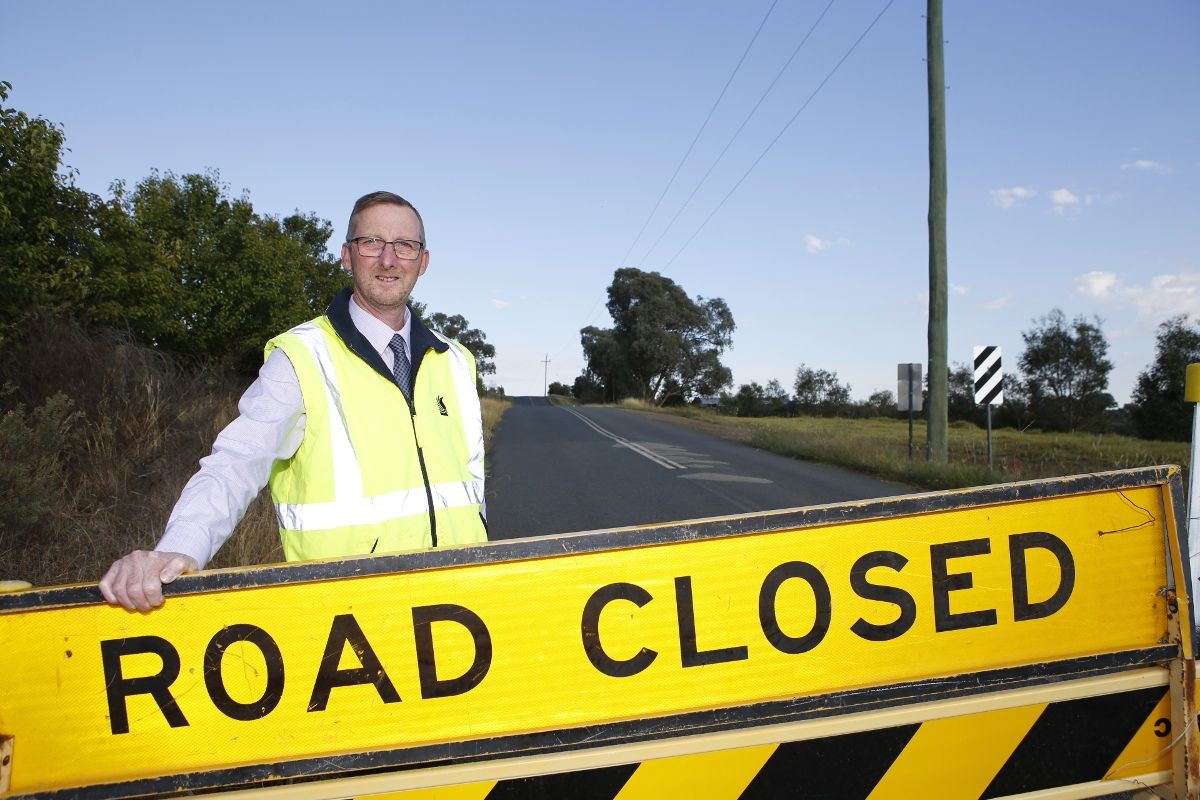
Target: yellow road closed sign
{"points": [[588, 643]]}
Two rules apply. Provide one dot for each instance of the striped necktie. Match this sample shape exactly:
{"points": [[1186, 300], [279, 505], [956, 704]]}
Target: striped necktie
{"points": [[401, 368]]}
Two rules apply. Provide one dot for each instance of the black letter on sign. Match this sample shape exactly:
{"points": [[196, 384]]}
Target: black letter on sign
{"points": [[157, 686], [944, 583], [770, 620], [423, 619], [343, 631], [687, 632], [1018, 544], [886, 594], [212, 672], [590, 628]]}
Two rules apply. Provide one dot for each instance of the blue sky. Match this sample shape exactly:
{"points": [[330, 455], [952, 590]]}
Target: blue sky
{"points": [[536, 137]]}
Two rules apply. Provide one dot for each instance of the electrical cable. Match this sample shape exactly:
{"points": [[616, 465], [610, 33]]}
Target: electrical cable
{"points": [[691, 146], [780, 134], [738, 132], [696, 138]]}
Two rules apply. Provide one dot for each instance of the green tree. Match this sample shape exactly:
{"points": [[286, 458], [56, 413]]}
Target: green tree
{"points": [[45, 221], [750, 400], [1066, 373], [231, 278], [776, 399], [819, 392], [1159, 410], [662, 341], [456, 327], [881, 403], [587, 389], [960, 401], [607, 377]]}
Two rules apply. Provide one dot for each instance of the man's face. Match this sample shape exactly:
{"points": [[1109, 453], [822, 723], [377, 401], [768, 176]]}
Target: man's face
{"points": [[382, 284]]}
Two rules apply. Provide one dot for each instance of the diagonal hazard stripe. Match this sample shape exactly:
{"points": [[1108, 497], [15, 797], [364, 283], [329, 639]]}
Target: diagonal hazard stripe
{"points": [[722, 775], [1055, 754], [983, 355], [923, 769], [835, 768], [1150, 749], [1037, 747], [589, 784]]}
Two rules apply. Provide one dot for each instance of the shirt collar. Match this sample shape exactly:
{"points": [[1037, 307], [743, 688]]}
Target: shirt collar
{"points": [[378, 333]]}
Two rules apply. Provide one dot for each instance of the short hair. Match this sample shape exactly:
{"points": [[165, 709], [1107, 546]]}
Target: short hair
{"points": [[381, 198]]}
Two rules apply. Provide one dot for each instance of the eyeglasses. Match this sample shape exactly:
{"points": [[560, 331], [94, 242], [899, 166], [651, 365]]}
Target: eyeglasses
{"points": [[372, 247]]}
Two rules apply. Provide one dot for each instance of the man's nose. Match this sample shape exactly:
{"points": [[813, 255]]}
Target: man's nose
{"points": [[388, 257]]}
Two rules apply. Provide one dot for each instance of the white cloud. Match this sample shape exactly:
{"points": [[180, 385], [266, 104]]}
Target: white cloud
{"points": [[957, 290], [497, 303], [1007, 198], [1096, 284], [815, 245], [1148, 166], [997, 304], [1164, 296], [1064, 201]]}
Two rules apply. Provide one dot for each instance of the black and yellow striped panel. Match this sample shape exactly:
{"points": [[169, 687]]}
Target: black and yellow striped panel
{"points": [[1122, 739]]}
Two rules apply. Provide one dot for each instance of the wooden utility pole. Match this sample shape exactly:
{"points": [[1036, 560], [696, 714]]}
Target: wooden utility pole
{"points": [[545, 375], [937, 407]]}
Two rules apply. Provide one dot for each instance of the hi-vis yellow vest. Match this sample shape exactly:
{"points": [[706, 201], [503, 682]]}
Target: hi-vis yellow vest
{"points": [[371, 475]]}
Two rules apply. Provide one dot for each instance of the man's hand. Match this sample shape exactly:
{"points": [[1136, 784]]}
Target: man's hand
{"points": [[136, 580]]}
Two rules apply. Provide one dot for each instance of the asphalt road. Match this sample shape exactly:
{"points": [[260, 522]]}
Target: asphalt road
{"points": [[555, 469]]}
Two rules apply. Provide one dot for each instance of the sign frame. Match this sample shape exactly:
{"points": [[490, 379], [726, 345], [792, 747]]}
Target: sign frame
{"points": [[1176, 654]]}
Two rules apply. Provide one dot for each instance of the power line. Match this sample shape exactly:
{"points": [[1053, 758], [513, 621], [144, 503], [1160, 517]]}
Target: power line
{"points": [[780, 134], [691, 146], [696, 138], [738, 132]]}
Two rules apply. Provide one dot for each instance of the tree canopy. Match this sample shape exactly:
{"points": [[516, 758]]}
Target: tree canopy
{"points": [[819, 392], [1159, 410], [175, 261], [456, 327], [1066, 373], [662, 342], [44, 220]]}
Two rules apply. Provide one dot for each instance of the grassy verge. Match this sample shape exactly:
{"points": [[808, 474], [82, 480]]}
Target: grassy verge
{"points": [[880, 447], [493, 410]]}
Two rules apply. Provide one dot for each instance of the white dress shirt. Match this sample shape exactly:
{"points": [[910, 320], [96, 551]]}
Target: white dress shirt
{"points": [[268, 428]]}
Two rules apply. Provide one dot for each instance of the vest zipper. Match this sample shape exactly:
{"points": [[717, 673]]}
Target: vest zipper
{"points": [[412, 408]]}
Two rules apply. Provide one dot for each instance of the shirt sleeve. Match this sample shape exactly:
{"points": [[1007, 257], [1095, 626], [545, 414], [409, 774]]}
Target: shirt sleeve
{"points": [[269, 427]]}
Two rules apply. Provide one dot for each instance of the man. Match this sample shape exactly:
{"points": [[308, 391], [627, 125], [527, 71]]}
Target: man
{"points": [[365, 423]]}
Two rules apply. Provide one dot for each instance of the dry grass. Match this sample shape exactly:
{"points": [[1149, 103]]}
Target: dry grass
{"points": [[880, 447], [493, 410]]}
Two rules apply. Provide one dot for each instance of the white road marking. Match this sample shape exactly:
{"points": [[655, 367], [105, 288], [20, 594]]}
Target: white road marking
{"points": [[634, 446]]}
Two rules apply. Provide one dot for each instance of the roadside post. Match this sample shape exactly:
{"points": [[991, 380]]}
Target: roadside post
{"points": [[989, 385], [967, 644], [1191, 394], [908, 395]]}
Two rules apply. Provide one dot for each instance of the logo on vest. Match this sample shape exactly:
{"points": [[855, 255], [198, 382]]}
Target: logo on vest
{"points": [[442, 407]]}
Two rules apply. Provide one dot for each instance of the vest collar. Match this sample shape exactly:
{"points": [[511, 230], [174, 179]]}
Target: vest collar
{"points": [[422, 338]]}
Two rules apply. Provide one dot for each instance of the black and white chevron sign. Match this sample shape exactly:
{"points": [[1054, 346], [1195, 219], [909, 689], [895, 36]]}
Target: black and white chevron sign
{"points": [[988, 376]]}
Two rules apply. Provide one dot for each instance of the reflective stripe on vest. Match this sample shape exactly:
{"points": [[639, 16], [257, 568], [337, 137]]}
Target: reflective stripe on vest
{"points": [[347, 477], [350, 506], [373, 510]]}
